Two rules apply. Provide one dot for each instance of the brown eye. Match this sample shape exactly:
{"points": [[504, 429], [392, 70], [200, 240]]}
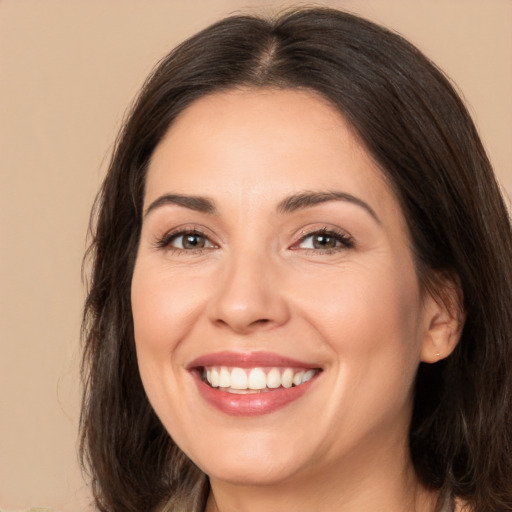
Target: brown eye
{"points": [[189, 241], [326, 240], [322, 241], [193, 242]]}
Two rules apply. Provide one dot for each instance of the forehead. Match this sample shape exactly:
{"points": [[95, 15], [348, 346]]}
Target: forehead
{"points": [[262, 143]]}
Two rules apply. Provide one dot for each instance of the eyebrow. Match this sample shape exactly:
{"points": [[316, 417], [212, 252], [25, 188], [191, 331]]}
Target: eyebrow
{"points": [[309, 199], [196, 203], [290, 204]]}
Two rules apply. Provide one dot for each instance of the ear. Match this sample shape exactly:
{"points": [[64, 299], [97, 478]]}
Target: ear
{"points": [[443, 318]]}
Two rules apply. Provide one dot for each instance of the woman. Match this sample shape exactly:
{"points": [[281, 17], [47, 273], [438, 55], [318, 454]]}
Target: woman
{"points": [[301, 283]]}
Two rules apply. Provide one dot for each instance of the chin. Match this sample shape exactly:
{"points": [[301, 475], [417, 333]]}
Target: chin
{"points": [[252, 471], [248, 458]]}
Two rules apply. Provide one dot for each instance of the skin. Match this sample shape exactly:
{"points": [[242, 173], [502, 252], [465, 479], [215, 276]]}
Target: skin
{"points": [[260, 284]]}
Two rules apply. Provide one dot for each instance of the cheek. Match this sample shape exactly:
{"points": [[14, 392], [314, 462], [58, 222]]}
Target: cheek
{"points": [[369, 315], [164, 308], [371, 322], [164, 311]]}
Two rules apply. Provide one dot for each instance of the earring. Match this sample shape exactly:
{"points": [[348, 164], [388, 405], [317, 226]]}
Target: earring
{"points": [[438, 354]]}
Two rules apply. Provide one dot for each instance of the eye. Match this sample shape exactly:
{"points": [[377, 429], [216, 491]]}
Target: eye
{"points": [[326, 240], [192, 240]]}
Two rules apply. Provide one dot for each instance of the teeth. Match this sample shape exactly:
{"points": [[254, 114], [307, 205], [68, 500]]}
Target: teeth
{"points": [[287, 378], [214, 376], [274, 378], [257, 379], [308, 375], [238, 380], [224, 378], [297, 378]]}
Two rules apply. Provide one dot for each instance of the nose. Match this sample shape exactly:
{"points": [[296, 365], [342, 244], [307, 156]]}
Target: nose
{"points": [[248, 296]]}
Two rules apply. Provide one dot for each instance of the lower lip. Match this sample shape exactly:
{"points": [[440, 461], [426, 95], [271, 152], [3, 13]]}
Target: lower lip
{"points": [[251, 404]]}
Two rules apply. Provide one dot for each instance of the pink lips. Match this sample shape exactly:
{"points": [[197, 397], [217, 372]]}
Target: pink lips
{"points": [[248, 360], [251, 404]]}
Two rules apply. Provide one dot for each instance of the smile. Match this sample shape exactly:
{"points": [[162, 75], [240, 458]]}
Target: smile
{"points": [[251, 384], [255, 380]]}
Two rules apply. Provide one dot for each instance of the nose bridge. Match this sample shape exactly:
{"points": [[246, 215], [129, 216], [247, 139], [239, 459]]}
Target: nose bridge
{"points": [[248, 295]]}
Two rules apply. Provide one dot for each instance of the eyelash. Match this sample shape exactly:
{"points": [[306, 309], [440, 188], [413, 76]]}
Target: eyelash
{"points": [[342, 240], [166, 241]]}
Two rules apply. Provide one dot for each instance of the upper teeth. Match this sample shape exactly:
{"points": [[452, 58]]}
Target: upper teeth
{"points": [[234, 379]]}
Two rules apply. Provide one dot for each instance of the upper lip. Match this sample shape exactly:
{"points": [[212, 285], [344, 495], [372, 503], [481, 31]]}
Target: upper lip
{"points": [[248, 360]]}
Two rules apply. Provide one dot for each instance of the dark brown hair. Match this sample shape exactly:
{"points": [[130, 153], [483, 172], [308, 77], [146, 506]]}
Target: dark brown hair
{"points": [[417, 129]]}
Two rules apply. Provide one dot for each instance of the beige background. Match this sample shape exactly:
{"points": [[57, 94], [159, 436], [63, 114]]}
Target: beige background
{"points": [[68, 70]]}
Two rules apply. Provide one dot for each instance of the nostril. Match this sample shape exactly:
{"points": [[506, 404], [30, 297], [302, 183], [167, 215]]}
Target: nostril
{"points": [[260, 322], [245, 326]]}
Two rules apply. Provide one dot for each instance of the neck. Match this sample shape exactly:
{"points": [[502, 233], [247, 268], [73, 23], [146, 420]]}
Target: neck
{"points": [[375, 480]]}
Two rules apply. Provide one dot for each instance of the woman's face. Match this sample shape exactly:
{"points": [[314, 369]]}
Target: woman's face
{"points": [[278, 317]]}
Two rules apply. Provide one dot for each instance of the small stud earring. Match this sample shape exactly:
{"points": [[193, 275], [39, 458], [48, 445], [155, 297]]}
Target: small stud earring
{"points": [[438, 354]]}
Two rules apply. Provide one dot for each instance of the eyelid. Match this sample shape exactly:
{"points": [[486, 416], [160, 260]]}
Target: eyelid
{"points": [[346, 240], [164, 241]]}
